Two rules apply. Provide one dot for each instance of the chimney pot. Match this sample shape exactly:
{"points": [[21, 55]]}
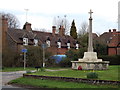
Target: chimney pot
{"points": [[114, 30], [53, 30], [27, 26], [109, 30], [61, 31]]}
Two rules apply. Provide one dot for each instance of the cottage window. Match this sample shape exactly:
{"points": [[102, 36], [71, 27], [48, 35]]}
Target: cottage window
{"points": [[110, 37], [36, 42], [48, 43], [77, 46], [59, 44], [68, 45], [25, 41]]}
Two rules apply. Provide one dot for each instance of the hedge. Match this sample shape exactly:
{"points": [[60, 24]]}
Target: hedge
{"points": [[114, 59]]}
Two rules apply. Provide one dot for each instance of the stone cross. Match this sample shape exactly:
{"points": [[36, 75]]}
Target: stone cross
{"points": [[90, 42], [90, 13]]}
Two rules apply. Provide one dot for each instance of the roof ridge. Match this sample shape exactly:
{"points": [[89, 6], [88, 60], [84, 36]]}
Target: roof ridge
{"points": [[11, 37]]}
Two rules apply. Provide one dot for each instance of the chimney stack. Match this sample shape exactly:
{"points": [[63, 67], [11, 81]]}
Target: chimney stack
{"points": [[109, 30], [61, 31], [27, 26], [4, 24], [114, 30], [53, 30], [4, 32]]}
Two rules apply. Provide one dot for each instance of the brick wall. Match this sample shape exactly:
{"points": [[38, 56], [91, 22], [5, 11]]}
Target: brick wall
{"points": [[113, 45], [112, 51], [72, 79], [61, 50], [56, 51], [118, 51], [4, 32]]}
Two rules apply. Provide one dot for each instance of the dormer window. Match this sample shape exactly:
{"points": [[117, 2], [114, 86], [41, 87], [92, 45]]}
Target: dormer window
{"points": [[68, 44], [48, 43], [25, 41], [36, 42], [59, 43], [110, 37], [77, 46]]}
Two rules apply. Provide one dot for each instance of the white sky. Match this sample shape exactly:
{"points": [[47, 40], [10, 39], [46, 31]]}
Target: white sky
{"points": [[42, 12]]}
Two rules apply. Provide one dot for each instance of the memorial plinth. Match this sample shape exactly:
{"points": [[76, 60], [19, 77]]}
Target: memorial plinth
{"points": [[90, 60]]}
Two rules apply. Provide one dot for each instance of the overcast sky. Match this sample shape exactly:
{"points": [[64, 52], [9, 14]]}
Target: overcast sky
{"points": [[42, 12]]}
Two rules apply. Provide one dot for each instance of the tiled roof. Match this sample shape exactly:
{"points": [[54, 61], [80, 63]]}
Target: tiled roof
{"points": [[104, 38], [43, 36], [109, 38], [115, 40], [18, 34]]}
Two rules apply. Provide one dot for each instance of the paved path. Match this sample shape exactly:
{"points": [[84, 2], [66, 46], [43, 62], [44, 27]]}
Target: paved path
{"points": [[8, 76], [56, 69]]}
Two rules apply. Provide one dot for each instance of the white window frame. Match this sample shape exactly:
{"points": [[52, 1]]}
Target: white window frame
{"points": [[36, 42], [59, 44], [77, 46], [25, 41], [48, 43], [68, 45]]}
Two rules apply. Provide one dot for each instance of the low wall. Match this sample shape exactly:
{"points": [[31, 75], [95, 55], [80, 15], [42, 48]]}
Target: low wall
{"points": [[90, 65], [70, 79]]}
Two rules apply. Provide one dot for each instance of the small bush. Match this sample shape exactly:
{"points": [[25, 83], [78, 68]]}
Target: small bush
{"points": [[92, 75], [51, 63], [65, 63]]}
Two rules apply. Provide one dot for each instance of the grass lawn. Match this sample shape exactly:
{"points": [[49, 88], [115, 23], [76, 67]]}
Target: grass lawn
{"points": [[110, 74], [11, 69], [56, 84]]}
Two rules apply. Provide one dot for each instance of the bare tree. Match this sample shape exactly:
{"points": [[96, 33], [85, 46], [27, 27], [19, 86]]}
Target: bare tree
{"points": [[84, 28], [13, 22]]}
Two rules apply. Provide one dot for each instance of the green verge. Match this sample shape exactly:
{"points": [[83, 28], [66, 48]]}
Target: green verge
{"points": [[11, 69], [55, 84], [110, 74]]}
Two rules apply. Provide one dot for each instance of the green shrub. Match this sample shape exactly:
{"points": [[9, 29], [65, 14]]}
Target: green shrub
{"points": [[114, 59], [10, 58], [65, 63], [35, 55], [51, 63], [92, 75]]}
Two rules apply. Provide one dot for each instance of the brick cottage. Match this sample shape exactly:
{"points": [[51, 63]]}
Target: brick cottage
{"points": [[18, 38]]}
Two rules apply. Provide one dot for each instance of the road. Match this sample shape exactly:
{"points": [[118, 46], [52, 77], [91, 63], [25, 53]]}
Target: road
{"points": [[8, 76]]}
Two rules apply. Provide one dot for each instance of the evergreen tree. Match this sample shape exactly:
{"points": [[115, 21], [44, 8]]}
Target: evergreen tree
{"points": [[73, 31]]}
